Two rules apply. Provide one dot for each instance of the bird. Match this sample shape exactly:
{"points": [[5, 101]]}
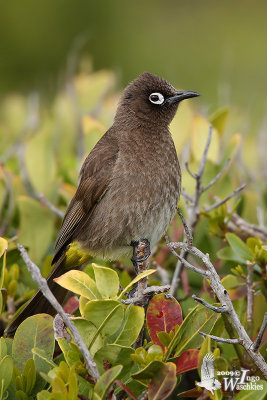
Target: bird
{"points": [[129, 185], [208, 380]]}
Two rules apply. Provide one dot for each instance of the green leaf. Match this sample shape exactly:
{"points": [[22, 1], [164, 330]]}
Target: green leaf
{"points": [[80, 283], [135, 280], [164, 338], [6, 372], [107, 281], [134, 320], [115, 355], [163, 382], [36, 227], [35, 331], [99, 311], [88, 331], [149, 371], [239, 247], [187, 336], [105, 381], [29, 373], [227, 253]]}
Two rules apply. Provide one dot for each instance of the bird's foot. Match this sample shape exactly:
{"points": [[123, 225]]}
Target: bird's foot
{"points": [[141, 252]]}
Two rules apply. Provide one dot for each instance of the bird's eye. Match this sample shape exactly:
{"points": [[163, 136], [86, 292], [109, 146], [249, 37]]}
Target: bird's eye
{"points": [[156, 98]]}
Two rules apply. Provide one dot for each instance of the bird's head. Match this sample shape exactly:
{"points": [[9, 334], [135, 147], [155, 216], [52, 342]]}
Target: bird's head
{"points": [[150, 100]]}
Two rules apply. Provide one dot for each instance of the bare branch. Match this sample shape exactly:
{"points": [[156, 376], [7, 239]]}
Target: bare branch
{"points": [[186, 195], [217, 177], [164, 276], [147, 293], [249, 229], [219, 203], [258, 340], [187, 230], [43, 200], [189, 171], [222, 309], [42, 284], [219, 339], [183, 261], [204, 156], [30, 189], [250, 299], [223, 298]]}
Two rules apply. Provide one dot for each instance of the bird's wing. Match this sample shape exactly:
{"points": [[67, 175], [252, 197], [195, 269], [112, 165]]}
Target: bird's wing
{"points": [[207, 368], [95, 176]]}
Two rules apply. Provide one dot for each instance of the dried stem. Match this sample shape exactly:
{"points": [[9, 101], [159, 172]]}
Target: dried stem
{"points": [[42, 284]]}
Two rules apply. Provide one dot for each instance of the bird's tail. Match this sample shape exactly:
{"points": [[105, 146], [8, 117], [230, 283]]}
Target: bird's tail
{"points": [[39, 304]]}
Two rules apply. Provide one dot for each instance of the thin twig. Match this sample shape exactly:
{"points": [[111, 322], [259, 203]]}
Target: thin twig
{"points": [[29, 186], [221, 202], [219, 339], [222, 309], [258, 340], [43, 200], [217, 177], [250, 299], [205, 153], [193, 211], [171, 245], [249, 229], [189, 171], [187, 230], [43, 286]]}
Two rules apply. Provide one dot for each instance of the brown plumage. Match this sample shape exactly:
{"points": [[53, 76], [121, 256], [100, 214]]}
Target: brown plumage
{"points": [[129, 184]]}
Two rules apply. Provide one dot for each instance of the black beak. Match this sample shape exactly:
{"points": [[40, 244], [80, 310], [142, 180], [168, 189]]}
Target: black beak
{"points": [[181, 95]]}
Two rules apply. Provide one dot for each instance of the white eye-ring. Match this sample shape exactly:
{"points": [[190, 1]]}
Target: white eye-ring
{"points": [[156, 98]]}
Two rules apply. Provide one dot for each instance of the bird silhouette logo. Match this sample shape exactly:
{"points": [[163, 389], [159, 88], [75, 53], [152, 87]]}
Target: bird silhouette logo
{"points": [[208, 380]]}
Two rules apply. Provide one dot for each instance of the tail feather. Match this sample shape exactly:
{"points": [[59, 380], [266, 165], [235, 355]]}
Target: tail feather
{"points": [[39, 304]]}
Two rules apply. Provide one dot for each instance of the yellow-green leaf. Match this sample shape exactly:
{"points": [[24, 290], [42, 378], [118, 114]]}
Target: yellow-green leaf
{"points": [[6, 372], [3, 249], [134, 320], [107, 281], [36, 227], [99, 313], [219, 118], [79, 282], [135, 280]]}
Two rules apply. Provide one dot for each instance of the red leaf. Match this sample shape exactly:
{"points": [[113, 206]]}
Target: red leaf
{"points": [[163, 314], [186, 361], [71, 305], [126, 389]]}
